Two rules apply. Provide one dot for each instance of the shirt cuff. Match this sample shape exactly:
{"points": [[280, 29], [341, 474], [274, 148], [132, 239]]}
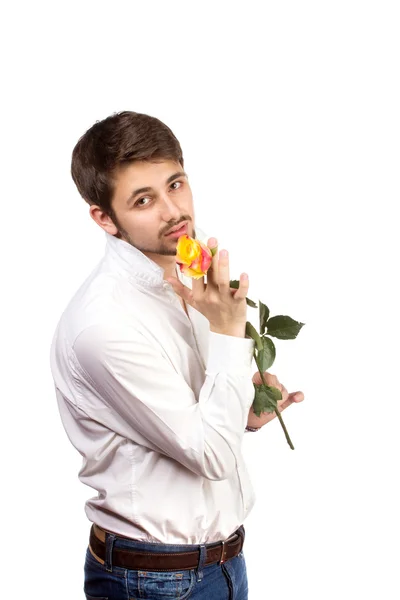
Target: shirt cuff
{"points": [[230, 354]]}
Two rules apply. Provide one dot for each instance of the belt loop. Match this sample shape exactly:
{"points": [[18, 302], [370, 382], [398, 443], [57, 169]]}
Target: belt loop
{"points": [[202, 560], [223, 553], [110, 539]]}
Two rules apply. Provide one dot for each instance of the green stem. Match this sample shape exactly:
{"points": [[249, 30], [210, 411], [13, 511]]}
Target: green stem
{"points": [[278, 414]]}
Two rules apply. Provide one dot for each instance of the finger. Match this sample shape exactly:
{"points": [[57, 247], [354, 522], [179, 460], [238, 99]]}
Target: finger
{"points": [[270, 379], [223, 273], [243, 290], [212, 273], [198, 287]]}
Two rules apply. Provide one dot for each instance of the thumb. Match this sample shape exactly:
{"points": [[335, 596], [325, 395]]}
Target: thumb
{"points": [[172, 282], [180, 289], [296, 396]]}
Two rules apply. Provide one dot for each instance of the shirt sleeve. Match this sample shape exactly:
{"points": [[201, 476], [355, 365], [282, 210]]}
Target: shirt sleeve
{"points": [[145, 395]]}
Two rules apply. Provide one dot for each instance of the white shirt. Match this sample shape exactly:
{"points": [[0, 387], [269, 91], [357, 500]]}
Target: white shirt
{"points": [[156, 404]]}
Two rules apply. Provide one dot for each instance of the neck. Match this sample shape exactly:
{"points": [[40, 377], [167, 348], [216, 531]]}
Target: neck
{"points": [[168, 263]]}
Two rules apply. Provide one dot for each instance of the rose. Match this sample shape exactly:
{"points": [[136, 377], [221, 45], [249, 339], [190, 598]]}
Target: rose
{"points": [[194, 259]]}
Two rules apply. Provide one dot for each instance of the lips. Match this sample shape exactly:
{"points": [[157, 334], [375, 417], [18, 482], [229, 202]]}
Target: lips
{"points": [[180, 230]]}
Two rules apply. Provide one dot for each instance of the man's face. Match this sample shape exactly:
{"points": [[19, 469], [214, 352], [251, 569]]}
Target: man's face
{"points": [[143, 217]]}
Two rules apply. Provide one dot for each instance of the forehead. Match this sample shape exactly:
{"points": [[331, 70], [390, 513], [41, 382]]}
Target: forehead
{"points": [[145, 172]]}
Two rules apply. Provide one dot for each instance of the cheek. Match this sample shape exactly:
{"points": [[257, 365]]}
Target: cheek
{"points": [[187, 202]]}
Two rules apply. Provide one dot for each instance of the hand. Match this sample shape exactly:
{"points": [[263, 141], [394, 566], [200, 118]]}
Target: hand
{"points": [[287, 400], [223, 306]]}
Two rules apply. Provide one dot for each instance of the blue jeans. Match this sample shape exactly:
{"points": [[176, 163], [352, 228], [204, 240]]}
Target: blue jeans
{"points": [[227, 581]]}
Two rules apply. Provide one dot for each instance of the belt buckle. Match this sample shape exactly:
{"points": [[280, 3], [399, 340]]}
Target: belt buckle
{"points": [[223, 553]]}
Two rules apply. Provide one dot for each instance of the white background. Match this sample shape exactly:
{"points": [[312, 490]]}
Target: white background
{"points": [[288, 116]]}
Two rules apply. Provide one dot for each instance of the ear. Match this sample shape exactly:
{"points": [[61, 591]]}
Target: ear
{"points": [[102, 219]]}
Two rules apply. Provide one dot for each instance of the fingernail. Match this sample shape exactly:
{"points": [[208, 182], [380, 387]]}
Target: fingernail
{"points": [[213, 242], [223, 253]]}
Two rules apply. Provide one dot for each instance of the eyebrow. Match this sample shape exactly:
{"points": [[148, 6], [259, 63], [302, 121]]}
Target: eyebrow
{"points": [[149, 189]]}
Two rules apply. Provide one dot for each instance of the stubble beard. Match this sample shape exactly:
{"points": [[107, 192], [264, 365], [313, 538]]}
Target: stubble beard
{"points": [[169, 250]]}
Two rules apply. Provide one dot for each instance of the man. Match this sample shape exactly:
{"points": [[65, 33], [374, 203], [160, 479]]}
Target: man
{"points": [[152, 374]]}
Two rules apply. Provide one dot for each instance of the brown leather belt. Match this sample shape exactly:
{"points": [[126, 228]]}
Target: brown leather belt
{"points": [[217, 552]]}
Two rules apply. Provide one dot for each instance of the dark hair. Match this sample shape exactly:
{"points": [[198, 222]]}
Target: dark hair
{"points": [[121, 138]]}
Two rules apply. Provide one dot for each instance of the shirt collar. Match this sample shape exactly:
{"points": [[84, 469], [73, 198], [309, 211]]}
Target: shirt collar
{"points": [[139, 266]]}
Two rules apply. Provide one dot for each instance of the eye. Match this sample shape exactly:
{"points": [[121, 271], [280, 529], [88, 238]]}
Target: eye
{"points": [[140, 199], [177, 182]]}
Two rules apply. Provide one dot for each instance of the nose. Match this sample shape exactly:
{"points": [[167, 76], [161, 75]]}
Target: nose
{"points": [[170, 211]]}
